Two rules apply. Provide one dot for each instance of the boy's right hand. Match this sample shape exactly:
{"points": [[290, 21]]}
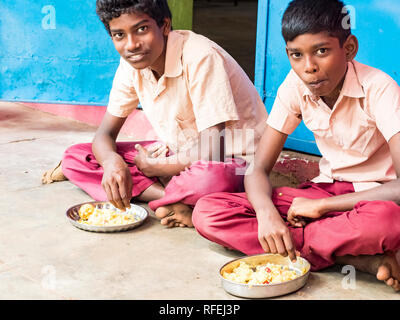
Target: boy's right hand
{"points": [[157, 151], [117, 182], [274, 237]]}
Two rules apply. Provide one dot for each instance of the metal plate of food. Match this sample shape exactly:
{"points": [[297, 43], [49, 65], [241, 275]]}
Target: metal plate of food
{"points": [[99, 216], [264, 275]]}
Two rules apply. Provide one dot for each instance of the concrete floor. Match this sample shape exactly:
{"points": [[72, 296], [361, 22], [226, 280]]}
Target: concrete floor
{"points": [[42, 256]]}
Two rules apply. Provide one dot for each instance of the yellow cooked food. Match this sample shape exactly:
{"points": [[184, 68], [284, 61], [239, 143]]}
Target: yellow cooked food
{"points": [[94, 216], [262, 274]]}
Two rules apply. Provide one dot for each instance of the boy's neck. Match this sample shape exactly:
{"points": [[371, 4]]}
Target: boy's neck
{"points": [[331, 99], [158, 68]]}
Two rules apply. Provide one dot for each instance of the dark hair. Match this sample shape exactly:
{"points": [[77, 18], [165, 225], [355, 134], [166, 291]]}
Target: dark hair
{"points": [[314, 16], [110, 9]]}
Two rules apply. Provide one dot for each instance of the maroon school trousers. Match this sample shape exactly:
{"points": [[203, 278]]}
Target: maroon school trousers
{"points": [[372, 227], [203, 177]]}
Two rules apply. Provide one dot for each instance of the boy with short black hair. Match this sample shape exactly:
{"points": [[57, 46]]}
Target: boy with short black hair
{"points": [[350, 213], [197, 99]]}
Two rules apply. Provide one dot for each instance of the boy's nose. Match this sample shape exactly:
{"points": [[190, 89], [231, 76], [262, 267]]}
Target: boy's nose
{"points": [[310, 66], [132, 44]]}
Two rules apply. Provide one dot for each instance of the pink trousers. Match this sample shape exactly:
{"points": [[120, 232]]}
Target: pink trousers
{"points": [[372, 227], [201, 178]]}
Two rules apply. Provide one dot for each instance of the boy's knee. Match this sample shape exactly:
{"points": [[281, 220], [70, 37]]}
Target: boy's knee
{"points": [[73, 153], [384, 218], [205, 213], [215, 177], [77, 149], [199, 214]]}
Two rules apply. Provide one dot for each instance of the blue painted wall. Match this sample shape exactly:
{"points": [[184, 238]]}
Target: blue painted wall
{"points": [[61, 56], [377, 27], [57, 51]]}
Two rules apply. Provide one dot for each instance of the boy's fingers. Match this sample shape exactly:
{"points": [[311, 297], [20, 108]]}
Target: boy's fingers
{"points": [[107, 189], [117, 197], [290, 247], [140, 148], [271, 244], [126, 202], [264, 245], [162, 151], [125, 189], [280, 246], [154, 147], [291, 220], [157, 152], [124, 192]]}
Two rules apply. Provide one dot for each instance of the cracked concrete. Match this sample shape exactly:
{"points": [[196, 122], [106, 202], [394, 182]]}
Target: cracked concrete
{"points": [[42, 256]]}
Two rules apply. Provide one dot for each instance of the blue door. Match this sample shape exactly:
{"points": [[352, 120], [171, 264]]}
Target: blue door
{"points": [[376, 23]]}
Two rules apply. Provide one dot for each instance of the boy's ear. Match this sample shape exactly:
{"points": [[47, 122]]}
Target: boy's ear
{"points": [[351, 47], [167, 26]]}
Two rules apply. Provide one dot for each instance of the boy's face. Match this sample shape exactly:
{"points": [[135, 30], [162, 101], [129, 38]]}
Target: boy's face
{"points": [[319, 61], [139, 40]]}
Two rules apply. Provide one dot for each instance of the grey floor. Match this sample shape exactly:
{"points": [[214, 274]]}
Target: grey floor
{"points": [[42, 256]]}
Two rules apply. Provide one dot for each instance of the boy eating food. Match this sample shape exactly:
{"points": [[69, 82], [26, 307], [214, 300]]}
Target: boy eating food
{"points": [[199, 101], [350, 213]]}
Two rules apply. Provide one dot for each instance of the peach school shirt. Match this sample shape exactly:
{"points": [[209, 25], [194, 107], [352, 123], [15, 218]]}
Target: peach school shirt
{"points": [[202, 86], [353, 136]]}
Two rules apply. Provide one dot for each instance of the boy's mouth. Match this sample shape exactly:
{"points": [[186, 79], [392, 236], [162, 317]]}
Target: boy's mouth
{"points": [[135, 58], [315, 85]]}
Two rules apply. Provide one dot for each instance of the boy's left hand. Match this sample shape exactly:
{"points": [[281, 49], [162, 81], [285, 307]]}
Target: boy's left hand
{"points": [[157, 151], [143, 161], [303, 207]]}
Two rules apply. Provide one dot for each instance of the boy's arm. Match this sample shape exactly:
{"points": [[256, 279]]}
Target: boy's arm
{"points": [[273, 234], [315, 208], [210, 146], [117, 180], [213, 105]]}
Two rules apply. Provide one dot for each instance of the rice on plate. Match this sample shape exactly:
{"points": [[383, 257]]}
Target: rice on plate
{"points": [[268, 273]]}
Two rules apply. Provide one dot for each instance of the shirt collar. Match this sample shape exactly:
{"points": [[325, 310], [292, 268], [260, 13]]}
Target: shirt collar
{"points": [[173, 57], [351, 85]]}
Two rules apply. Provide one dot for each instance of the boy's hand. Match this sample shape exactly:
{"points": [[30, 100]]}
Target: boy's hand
{"points": [[274, 237], [117, 182], [143, 161], [157, 151], [303, 207]]}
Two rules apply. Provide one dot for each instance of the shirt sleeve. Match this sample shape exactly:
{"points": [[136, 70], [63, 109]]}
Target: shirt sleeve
{"points": [[285, 114], [211, 92], [386, 109], [123, 98]]}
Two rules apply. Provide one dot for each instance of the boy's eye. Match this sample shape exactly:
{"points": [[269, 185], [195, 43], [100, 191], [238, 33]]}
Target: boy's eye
{"points": [[142, 29], [322, 50], [118, 36], [296, 55]]}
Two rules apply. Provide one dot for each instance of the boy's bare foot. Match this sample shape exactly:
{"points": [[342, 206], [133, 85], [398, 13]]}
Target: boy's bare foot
{"points": [[389, 270], [175, 215], [53, 175], [385, 266]]}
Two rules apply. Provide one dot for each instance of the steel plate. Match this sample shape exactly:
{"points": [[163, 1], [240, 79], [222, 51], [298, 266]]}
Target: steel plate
{"points": [[140, 213]]}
